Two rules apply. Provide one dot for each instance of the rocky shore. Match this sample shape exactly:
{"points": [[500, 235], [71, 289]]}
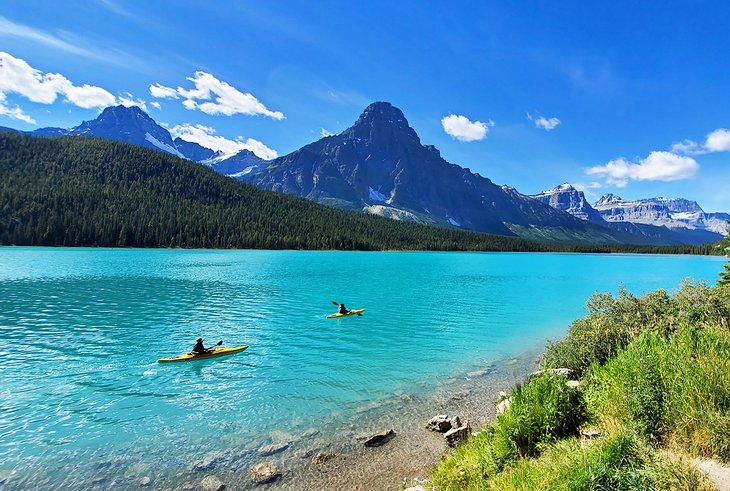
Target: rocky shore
{"points": [[387, 445]]}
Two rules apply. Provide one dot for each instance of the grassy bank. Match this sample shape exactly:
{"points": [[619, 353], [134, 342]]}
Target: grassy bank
{"points": [[654, 393]]}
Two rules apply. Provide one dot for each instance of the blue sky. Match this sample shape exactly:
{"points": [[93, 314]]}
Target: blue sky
{"points": [[622, 97]]}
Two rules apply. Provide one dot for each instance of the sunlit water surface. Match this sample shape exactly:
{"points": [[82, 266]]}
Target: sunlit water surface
{"points": [[82, 330]]}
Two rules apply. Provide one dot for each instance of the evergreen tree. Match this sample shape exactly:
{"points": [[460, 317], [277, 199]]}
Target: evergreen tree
{"points": [[725, 273], [90, 192]]}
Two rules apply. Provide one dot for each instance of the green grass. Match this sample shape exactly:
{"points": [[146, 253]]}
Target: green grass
{"points": [[656, 382]]}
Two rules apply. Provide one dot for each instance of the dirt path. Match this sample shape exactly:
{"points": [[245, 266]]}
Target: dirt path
{"points": [[718, 473]]}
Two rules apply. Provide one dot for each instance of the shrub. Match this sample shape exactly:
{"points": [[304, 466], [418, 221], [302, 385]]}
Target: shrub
{"points": [[612, 322], [541, 411]]}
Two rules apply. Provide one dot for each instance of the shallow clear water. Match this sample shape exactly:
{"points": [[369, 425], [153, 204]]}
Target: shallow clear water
{"points": [[82, 330]]}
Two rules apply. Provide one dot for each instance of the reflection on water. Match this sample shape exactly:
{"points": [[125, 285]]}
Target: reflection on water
{"points": [[85, 404]]}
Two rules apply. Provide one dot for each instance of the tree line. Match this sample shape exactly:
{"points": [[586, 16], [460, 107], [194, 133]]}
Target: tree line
{"points": [[91, 192]]}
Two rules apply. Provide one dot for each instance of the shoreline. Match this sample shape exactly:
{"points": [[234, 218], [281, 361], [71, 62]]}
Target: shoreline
{"points": [[406, 459]]}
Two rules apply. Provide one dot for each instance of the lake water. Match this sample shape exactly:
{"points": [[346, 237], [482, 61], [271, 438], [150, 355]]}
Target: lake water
{"points": [[83, 400]]}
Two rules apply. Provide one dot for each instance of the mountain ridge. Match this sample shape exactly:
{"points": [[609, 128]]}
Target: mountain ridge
{"points": [[568, 198], [380, 165]]}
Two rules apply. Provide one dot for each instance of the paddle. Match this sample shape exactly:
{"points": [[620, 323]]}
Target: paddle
{"points": [[358, 313]]}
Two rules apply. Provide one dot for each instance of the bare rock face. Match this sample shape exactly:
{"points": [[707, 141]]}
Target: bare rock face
{"points": [[504, 405], [264, 473], [561, 372], [457, 435], [440, 423], [379, 438], [210, 483]]}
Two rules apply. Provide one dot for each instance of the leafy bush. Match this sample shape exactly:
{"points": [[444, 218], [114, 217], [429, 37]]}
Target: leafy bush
{"points": [[612, 322], [540, 412]]}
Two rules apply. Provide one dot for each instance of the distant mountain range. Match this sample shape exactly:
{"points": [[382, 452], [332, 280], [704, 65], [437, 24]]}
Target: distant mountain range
{"points": [[672, 220], [380, 166], [132, 125]]}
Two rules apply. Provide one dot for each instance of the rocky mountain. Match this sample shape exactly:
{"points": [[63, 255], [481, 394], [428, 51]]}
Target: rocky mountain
{"points": [[241, 165], [566, 198], [133, 125], [193, 151], [674, 213], [379, 165]]}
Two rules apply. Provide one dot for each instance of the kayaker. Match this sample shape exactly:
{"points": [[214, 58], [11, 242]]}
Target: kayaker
{"points": [[343, 310], [199, 347]]}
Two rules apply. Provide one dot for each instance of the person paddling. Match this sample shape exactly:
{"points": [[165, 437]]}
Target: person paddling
{"points": [[200, 348], [343, 310]]}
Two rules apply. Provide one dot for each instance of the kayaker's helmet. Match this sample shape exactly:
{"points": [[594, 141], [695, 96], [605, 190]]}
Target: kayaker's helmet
{"points": [[200, 340]]}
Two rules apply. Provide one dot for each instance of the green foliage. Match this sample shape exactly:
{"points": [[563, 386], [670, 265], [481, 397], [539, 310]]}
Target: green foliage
{"points": [[675, 388], [78, 191], [618, 462], [725, 249], [541, 411], [612, 322], [657, 377]]}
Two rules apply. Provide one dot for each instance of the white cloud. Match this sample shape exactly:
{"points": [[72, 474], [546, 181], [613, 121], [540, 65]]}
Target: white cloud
{"points": [[205, 136], [162, 92], [156, 105], [70, 43], [462, 129], [546, 124], [658, 166], [17, 76], [128, 100], [718, 141], [324, 132], [687, 147], [583, 186], [222, 98], [13, 112], [9, 28]]}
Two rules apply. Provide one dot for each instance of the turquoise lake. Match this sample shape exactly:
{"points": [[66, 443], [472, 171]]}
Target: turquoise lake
{"points": [[82, 330]]}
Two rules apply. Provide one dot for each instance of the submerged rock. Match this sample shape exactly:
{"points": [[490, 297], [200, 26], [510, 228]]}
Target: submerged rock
{"points": [[210, 483], [379, 438], [272, 449], [322, 457], [145, 481], [208, 462], [264, 473]]}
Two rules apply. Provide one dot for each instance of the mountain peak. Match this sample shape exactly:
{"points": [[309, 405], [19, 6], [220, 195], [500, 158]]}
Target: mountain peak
{"points": [[382, 110], [607, 199], [380, 119]]}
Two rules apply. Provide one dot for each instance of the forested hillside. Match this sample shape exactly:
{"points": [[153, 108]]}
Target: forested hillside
{"points": [[77, 191]]}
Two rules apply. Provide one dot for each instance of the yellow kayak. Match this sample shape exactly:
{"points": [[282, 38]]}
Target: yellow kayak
{"points": [[351, 312], [199, 356]]}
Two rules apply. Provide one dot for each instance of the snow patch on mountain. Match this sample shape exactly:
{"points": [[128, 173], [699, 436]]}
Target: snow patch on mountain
{"points": [[674, 213], [163, 146], [374, 195], [394, 213]]}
